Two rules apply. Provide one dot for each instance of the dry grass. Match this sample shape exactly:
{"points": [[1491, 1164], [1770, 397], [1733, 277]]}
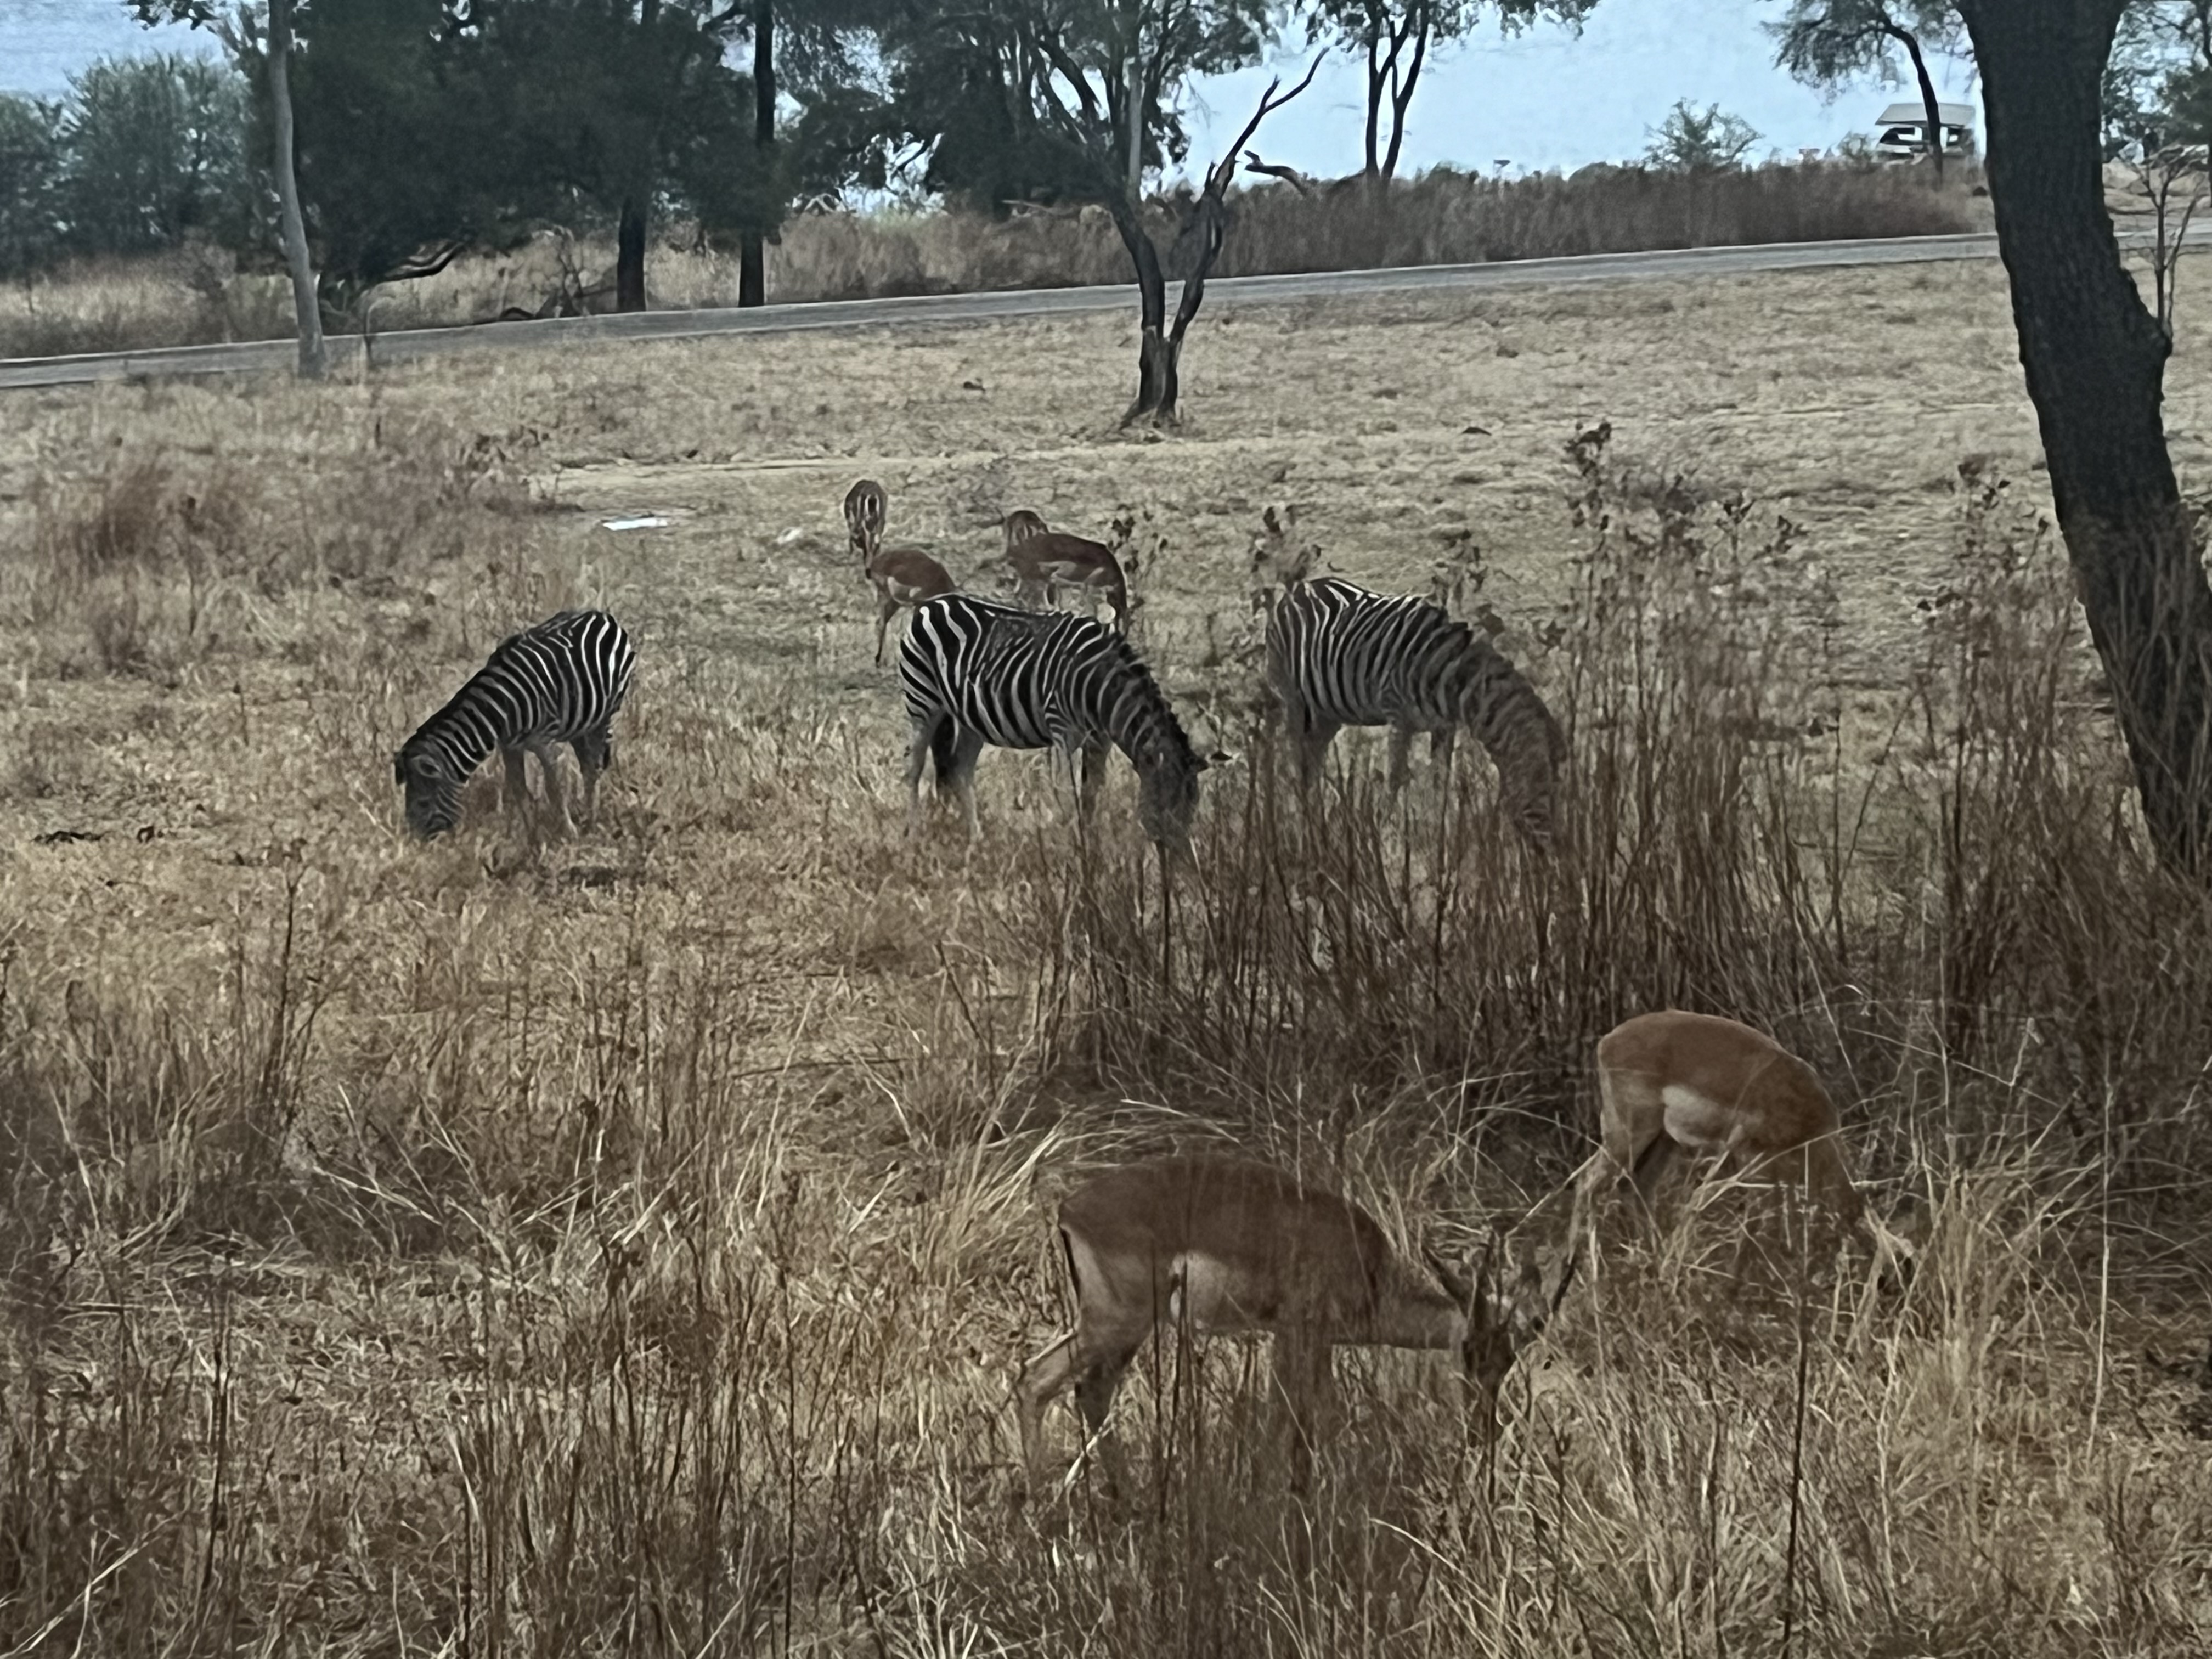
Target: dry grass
{"points": [[625, 1244], [199, 296]]}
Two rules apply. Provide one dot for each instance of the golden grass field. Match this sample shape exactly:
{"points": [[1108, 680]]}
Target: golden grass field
{"points": [[506, 1246]]}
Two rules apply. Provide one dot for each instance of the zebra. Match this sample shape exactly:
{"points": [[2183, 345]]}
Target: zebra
{"points": [[560, 682], [1339, 655], [976, 672]]}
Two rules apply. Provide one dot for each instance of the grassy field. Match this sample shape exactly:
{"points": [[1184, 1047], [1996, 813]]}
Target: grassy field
{"points": [[625, 1244]]}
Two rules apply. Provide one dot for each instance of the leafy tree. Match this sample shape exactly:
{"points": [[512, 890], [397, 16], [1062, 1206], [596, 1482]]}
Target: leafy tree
{"points": [[1690, 140], [33, 147], [408, 151], [1030, 100], [2094, 359], [2157, 89], [625, 106], [1825, 43], [155, 146], [1394, 37], [273, 46], [811, 52]]}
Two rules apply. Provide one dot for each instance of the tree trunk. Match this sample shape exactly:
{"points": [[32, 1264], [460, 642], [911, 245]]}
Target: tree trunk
{"points": [[752, 247], [1155, 365], [2095, 362], [1402, 95], [313, 359], [1136, 95], [1928, 105], [630, 256], [1167, 373], [1376, 94]]}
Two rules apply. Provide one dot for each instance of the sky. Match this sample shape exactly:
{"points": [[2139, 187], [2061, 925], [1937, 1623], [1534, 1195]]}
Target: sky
{"points": [[1541, 99]]}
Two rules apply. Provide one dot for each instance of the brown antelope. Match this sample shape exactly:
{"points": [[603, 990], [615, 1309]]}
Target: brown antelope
{"points": [[864, 508], [903, 575], [1672, 1082], [1046, 560], [1231, 1246]]}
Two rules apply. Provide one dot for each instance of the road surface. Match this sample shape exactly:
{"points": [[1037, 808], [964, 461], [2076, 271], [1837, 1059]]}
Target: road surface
{"points": [[275, 357]]}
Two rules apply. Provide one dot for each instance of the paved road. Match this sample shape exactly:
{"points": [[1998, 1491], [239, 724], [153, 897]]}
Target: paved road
{"points": [[270, 357]]}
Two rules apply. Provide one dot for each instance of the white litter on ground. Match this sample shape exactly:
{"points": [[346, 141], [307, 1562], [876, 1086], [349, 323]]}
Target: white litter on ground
{"points": [[643, 521]]}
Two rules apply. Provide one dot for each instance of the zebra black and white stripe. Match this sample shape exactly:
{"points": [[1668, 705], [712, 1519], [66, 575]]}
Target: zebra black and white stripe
{"points": [[1339, 655], [976, 672], [560, 682]]}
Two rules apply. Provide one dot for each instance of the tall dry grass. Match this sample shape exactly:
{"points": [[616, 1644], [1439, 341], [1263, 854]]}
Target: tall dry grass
{"points": [[201, 296], [497, 1249]]}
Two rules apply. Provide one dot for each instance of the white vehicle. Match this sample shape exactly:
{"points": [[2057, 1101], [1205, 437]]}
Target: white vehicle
{"points": [[1904, 130]]}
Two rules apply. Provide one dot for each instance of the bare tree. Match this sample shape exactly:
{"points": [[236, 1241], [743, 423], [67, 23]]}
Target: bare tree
{"points": [[2166, 186], [1394, 39], [1160, 353], [1102, 97]]}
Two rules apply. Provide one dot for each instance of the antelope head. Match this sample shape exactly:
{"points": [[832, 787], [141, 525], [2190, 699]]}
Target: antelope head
{"points": [[1500, 1323]]}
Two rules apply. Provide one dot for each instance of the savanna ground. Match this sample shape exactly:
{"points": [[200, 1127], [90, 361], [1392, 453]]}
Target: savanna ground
{"points": [[625, 1244]]}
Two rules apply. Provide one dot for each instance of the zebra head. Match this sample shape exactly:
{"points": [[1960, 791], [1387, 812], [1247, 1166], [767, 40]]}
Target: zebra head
{"points": [[1166, 790], [433, 786]]}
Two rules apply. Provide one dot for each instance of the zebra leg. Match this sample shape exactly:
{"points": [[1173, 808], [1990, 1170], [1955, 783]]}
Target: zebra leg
{"points": [[556, 792], [1401, 740], [1091, 759], [917, 755], [593, 754], [883, 624], [515, 798], [1309, 734], [963, 775], [1441, 746]]}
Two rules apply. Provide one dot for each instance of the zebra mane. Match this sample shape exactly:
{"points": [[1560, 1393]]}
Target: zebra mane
{"points": [[448, 713], [1157, 712]]}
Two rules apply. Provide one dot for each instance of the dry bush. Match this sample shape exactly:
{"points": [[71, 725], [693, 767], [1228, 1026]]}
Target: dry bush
{"points": [[1441, 217], [137, 567], [1968, 895], [625, 1246]]}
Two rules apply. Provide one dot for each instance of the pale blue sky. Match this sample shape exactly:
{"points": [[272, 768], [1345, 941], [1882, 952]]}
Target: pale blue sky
{"points": [[1547, 98], [1543, 99]]}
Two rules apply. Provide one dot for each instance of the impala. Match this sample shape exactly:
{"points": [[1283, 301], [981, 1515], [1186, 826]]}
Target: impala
{"points": [[1670, 1083], [903, 575], [864, 508], [1227, 1246], [1046, 560]]}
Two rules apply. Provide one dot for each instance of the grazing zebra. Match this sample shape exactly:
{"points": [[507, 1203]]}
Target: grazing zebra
{"points": [[865, 510], [977, 672], [560, 682], [1339, 655]]}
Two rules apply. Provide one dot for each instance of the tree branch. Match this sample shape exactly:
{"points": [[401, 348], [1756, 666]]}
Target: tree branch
{"points": [[1217, 180], [1291, 176]]}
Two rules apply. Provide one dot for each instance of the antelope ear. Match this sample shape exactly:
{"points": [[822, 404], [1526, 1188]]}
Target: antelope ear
{"points": [[399, 767]]}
